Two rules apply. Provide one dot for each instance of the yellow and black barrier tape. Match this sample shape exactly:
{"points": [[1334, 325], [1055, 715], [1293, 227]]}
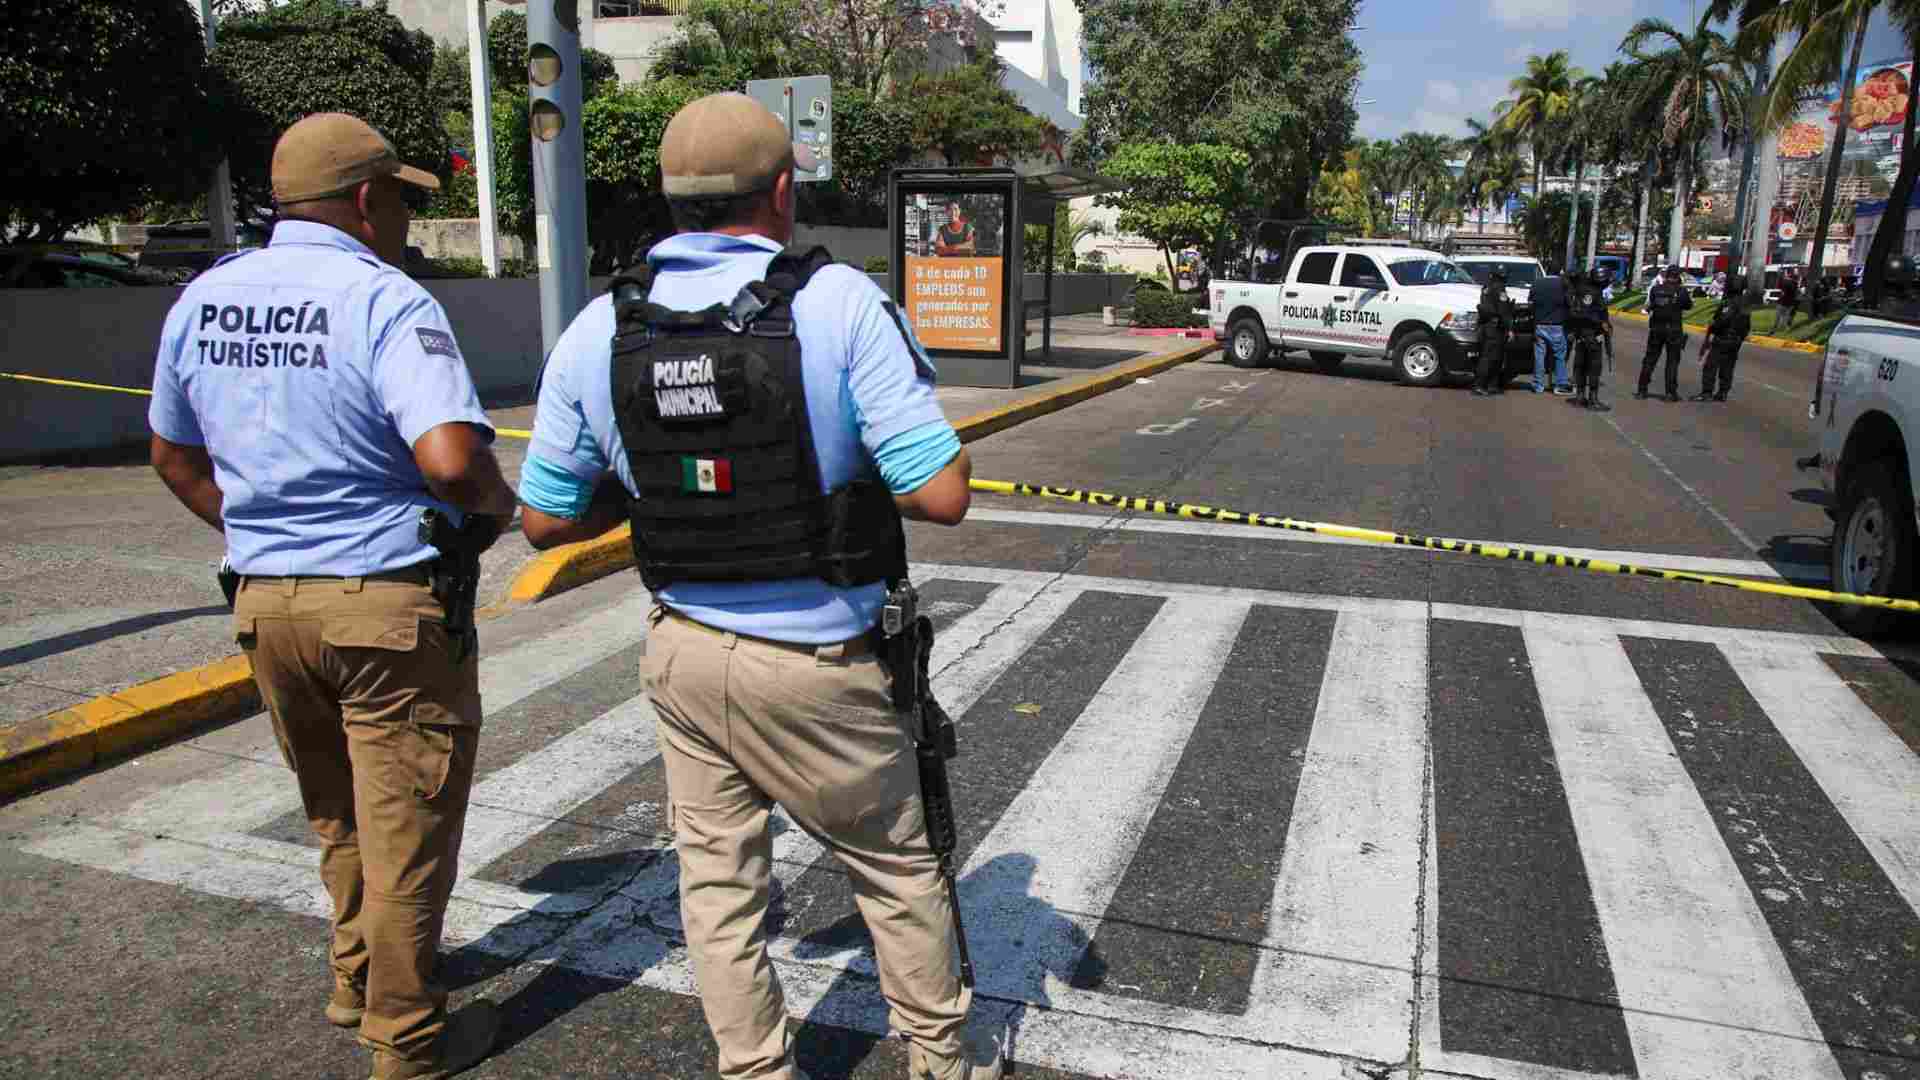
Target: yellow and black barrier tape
{"points": [[1198, 512], [1539, 557]]}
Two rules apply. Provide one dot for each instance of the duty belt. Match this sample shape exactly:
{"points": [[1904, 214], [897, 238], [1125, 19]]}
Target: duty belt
{"points": [[855, 646]]}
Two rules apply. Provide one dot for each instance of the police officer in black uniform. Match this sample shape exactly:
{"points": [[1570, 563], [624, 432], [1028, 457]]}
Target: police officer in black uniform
{"points": [[1591, 333], [1667, 303], [1496, 321], [1732, 321]]}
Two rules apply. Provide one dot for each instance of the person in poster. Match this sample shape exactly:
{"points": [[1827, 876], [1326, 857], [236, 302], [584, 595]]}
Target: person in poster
{"points": [[956, 235]]}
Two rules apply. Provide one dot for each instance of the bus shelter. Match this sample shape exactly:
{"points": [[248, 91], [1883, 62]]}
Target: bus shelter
{"points": [[958, 261]]}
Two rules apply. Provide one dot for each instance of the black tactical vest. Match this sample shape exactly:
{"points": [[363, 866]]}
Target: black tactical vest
{"points": [[712, 407], [1586, 309]]}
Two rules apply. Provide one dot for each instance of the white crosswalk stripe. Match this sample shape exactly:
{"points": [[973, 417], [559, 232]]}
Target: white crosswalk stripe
{"points": [[1702, 983]]}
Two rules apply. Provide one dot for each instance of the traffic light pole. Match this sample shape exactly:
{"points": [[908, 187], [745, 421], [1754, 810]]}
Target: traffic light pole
{"points": [[559, 163]]}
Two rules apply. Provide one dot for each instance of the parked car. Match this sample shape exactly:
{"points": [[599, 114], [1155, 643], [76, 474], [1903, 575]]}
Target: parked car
{"points": [[188, 245], [37, 268]]}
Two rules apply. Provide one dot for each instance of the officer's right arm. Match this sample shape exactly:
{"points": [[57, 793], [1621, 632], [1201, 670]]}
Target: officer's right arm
{"points": [[569, 490]]}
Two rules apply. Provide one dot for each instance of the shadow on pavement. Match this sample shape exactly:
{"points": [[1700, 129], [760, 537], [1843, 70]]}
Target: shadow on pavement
{"points": [[92, 635]]}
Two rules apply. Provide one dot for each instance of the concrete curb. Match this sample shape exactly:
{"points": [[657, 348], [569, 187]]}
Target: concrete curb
{"points": [[112, 725], [575, 565], [72, 740], [1754, 339]]}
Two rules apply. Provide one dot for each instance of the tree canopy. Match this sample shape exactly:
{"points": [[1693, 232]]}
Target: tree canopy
{"points": [[307, 56], [1272, 78], [103, 106], [1179, 195]]}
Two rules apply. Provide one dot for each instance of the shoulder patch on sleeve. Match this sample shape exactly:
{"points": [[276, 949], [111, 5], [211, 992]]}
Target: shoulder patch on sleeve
{"points": [[437, 342]]}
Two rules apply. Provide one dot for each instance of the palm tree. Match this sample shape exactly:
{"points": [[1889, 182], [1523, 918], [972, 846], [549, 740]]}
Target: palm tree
{"points": [[1893, 224], [1701, 84], [1577, 129], [1629, 137], [1380, 164], [1825, 28], [1423, 162], [1540, 99]]}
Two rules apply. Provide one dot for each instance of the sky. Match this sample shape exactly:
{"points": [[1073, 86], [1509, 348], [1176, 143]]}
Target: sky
{"points": [[1430, 64]]}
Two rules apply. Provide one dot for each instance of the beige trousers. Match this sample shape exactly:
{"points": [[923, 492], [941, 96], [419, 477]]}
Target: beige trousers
{"points": [[745, 724], [380, 726]]}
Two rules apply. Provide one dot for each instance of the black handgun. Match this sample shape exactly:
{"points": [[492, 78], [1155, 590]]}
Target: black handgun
{"points": [[229, 579], [908, 652], [455, 575]]}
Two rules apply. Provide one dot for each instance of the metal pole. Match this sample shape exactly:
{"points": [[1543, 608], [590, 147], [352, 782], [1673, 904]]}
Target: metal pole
{"points": [[559, 163], [482, 132], [1766, 169], [220, 189], [1046, 313]]}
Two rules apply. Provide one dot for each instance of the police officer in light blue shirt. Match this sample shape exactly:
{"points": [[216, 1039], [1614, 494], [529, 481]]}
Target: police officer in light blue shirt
{"points": [[310, 401], [764, 418]]}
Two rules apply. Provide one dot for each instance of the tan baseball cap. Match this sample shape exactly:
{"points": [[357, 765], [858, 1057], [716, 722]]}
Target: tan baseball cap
{"points": [[330, 154], [726, 144]]}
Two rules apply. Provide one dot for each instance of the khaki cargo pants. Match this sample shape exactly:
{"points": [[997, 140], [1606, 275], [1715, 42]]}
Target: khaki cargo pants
{"points": [[744, 724], [380, 725]]}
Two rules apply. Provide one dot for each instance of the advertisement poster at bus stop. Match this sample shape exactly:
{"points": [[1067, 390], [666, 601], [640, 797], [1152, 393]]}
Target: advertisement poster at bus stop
{"points": [[956, 270]]}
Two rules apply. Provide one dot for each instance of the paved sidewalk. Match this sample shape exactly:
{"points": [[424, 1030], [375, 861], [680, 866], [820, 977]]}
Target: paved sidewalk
{"points": [[106, 581]]}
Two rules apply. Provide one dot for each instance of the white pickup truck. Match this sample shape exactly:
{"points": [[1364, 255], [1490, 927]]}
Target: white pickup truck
{"points": [[1866, 416], [1412, 306]]}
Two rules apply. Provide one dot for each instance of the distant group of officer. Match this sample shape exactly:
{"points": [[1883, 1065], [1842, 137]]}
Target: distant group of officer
{"points": [[763, 417], [1570, 316]]}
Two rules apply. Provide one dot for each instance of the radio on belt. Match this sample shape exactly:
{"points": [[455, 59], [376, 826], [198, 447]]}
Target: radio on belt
{"points": [[902, 607]]}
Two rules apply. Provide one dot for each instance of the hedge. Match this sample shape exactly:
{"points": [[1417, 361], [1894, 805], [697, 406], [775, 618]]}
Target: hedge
{"points": [[1155, 308]]}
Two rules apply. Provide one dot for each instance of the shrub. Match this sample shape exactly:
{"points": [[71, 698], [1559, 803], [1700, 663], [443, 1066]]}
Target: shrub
{"points": [[1154, 308], [877, 265]]}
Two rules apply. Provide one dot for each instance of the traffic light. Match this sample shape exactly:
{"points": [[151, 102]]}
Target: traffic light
{"points": [[559, 163]]}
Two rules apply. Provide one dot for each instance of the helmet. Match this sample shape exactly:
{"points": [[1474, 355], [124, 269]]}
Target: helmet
{"points": [[1498, 273], [1601, 275]]}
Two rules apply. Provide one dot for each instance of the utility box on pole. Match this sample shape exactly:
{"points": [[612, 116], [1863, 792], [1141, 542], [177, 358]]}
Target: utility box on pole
{"points": [[559, 163], [805, 104]]}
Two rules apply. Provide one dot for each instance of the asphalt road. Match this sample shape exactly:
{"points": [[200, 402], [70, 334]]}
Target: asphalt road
{"points": [[1235, 803]]}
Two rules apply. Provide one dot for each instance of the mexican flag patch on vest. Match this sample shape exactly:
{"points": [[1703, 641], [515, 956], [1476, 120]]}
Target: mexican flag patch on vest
{"points": [[710, 475]]}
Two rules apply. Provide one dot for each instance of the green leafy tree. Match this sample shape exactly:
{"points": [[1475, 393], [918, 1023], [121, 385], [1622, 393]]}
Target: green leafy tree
{"points": [[1424, 175], [1069, 229], [1341, 196], [1380, 164], [1273, 78], [969, 117], [310, 56], [626, 209], [724, 43], [103, 106], [1178, 195]]}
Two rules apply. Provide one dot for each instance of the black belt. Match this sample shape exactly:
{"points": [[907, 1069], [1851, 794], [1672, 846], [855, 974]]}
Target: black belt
{"points": [[417, 574]]}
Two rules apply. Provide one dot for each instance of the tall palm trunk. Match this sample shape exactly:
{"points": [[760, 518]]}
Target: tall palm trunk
{"points": [[1839, 144], [1593, 226], [1640, 223], [1573, 211], [1889, 239], [1682, 180]]}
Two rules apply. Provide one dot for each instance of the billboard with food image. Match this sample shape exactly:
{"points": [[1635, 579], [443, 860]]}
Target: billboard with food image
{"points": [[1882, 94]]}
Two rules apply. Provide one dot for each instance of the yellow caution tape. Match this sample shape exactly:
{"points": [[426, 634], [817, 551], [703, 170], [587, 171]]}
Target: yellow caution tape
{"points": [[1198, 512], [516, 433], [75, 383], [1433, 543]]}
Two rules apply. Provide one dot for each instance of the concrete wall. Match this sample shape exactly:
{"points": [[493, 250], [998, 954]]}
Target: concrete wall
{"points": [[451, 238], [848, 245], [109, 336], [632, 41]]}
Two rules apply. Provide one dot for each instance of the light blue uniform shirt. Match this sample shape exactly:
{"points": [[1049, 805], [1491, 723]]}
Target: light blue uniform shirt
{"points": [[870, 399], [308, 370]]}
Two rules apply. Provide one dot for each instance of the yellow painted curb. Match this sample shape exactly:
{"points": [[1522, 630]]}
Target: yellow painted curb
{"points": [[574, 565], [77, 738], [1755, 339]]}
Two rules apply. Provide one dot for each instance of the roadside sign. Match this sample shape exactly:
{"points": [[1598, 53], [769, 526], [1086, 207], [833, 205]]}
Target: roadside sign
{"points": [[1788, 230], [805, 104]]}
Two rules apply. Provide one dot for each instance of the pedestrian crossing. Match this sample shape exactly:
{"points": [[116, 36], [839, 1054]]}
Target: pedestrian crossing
{"points": [[1217, 832]]}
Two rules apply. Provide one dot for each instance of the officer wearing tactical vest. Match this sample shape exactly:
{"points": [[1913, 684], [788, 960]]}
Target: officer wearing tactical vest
{"points": [[1496, 319], [1592, 331], [310, 402], [1667, 303], [1731, 324], [764, 418]]}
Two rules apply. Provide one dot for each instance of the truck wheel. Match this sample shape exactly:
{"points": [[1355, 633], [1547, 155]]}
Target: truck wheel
{"points": [[1873, 547], [1247, 343], [1327, 362], [1416, 358]]}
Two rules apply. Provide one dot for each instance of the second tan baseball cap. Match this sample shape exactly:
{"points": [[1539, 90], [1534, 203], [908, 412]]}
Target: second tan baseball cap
{"points": [[726, 144], [329, 154]]}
